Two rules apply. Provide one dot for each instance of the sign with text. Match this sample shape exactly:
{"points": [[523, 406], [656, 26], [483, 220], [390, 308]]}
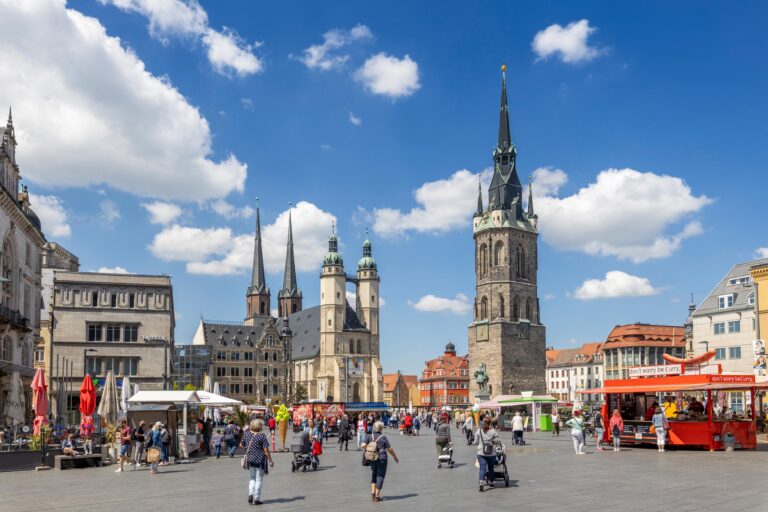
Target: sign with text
{"points": [[655, 371], [732, 379]]}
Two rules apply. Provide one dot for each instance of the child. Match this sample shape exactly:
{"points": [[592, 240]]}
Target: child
{"points": [[218, 437]]}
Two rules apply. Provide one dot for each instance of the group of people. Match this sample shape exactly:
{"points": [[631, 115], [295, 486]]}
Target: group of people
{"points": [[578, 425], [136, 442]]}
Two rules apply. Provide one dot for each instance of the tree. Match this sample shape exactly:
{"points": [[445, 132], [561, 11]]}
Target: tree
{"points": [[189, 387], [300, 394]]}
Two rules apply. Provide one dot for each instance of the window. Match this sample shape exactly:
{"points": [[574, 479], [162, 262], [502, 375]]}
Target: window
{"points": [[94, 332], [270, 341], [248, 356], [739, 280], [131, 366], [247, 372], [718, 328], [94, 299], [111, 363], [265, 372], [248, 389], [274, 356], [113, 300], [264, 390], [274, 389], [131, 300], [113, 332], [131, 332], [235, 356], [221, 356], [221, 371], [39, 355], [734, 326], [751, 299], [719, 353], [734, 353], [234, 389], [93, 366], [266, 356], [725, 301], [274, 372], [234, 372]]}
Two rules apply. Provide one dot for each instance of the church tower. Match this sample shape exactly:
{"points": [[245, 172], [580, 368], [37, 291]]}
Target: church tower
{"points": [[333, 305], [506, 333], [258, 296], [289, 299], [368, 294]]}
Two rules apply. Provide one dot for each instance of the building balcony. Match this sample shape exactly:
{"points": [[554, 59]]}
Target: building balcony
{"points": [[15, 319]]}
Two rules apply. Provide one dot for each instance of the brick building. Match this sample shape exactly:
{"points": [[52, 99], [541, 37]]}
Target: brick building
{"points": [[445, 380]]}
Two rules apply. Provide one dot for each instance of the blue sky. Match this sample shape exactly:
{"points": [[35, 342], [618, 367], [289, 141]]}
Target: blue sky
{"points": [[385, 124]]}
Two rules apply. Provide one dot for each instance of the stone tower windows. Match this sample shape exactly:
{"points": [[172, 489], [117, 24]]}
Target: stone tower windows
{"points": [[515, 309], [501, 306], [521, 262], [528, 309], [499, 258], [483, 260], [484, 308]]}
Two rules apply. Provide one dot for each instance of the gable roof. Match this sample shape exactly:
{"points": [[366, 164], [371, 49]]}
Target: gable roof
{"points": [[234, 334], [740, 291], [650, 335]]}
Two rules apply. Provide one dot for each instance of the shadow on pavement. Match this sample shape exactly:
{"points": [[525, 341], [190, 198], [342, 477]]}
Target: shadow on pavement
{"points": [[283, 500], [401, 497]]}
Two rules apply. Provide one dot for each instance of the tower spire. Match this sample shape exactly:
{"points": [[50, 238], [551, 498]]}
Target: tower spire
{"points": [[258, 284], [479, 196], [289, 300], [530, 196], [505, 141], [10, 116]]}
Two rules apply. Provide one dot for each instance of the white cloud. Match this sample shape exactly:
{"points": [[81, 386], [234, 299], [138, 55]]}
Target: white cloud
{"points": [[762, 252], [549, 296], [53, 216], [113, 270], [218, 251], [230, 211], [161, 212], [389, 76], [87, 112], [354, 119], [624, 213], [109, 211], [457, 306], [247, 103], [226, 51], [326, 147], [569, 42], [320, 56], [615, 284], [443, 205]]}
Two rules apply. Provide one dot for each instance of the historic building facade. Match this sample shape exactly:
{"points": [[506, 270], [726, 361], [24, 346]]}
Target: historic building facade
{"points": [[636, 345], [506, 333], [21, 240], [101, 322], [445, 380], [571, 372]]}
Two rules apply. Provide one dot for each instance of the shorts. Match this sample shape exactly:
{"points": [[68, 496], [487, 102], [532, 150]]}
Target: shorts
{"points": [[125, 449]]}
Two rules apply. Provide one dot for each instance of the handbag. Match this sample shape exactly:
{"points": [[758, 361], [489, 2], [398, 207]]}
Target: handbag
{"points": [[153, 455], [244, 461], [652, 430]]}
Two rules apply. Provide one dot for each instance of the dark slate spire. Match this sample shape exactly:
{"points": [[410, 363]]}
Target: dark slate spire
{"points": [[290, 289], [530, 196], [479, 196], [505, 141], [258, 283]]}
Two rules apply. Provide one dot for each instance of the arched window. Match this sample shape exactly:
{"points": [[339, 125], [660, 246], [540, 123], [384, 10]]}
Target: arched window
{"points": [[528, 309], [294, 308], [515, 309], [7, 272], [356, 392], [499, 257], [501, 306], [351, 346], [520, 261], [483, 259], [359, 346], [484, 308], [6, 350], [262, 308]]}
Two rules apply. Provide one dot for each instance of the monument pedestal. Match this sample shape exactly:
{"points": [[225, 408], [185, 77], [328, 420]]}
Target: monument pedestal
{"points": [[482, 396]]}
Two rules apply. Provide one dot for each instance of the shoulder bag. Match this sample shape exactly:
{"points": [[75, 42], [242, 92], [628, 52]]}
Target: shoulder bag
{"points": [[244, 461]]}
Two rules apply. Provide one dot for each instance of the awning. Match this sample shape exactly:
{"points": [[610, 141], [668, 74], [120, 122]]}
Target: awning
{"points": [[164, 397], [24, 371], [214, 400], [672, 388]]}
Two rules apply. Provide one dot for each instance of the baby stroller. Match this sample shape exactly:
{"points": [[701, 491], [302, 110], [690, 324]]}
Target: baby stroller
{"points": [[517, 436], [446, 456], [499, 470], [301, 449]]}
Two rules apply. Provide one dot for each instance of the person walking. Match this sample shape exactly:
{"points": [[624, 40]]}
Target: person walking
{"points": [[486, 455], [442, 437], [381, 447], [154, 442], [230, 437], [469, 428], [617, 427], [518, 426], [577, 432], [124, 434], [555, 423], [139, 438], [416, 424], [360, 431], [661, 426], [216, 440], [257, 456], [165, 446], [599, 429], [344, 433]]}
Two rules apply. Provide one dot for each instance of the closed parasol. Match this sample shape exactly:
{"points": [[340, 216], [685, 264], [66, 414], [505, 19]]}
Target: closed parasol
{"points": [[109, 406], [125, 393], [87, 397], [39, 399], [14, 404]]}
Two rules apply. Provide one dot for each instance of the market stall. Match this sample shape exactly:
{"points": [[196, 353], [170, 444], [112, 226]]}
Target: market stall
{"points": [[694, 406], [185, 429], [536, 408]]}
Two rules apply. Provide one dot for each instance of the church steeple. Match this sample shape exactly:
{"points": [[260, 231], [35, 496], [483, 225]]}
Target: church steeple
{"points": [[530, 197], [479, 196], [289, 299], [505, 192], [258, 297]]}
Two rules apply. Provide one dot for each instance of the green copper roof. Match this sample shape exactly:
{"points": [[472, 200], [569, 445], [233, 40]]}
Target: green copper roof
{"points": [[366, 263]]}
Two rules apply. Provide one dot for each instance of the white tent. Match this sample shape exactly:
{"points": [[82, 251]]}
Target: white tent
{"points": [[164, 397], [213, 399]]}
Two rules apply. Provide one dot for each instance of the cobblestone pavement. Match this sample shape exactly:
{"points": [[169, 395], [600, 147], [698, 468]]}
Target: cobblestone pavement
{"points": [[546, 476]]}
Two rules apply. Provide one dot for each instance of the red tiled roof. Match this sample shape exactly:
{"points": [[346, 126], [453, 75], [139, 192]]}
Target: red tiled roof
{"points": [[646, 335], [451, 365]]}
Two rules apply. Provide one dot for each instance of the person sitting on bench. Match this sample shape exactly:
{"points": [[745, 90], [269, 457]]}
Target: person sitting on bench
{"points": [[68, 446]]}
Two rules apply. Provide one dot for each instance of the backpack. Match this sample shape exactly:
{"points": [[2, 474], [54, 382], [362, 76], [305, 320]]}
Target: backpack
{"points": [[371, 453]]}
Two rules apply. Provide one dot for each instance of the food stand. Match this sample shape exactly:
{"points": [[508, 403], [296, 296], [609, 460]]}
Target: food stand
{"points": [[700, 426], [187, 437], [537, 407]]}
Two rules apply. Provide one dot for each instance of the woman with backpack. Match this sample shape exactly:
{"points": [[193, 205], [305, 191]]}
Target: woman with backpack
{"points": [[661, 426], [577, 424], [376, 447], [486, 453], [617, 427]]}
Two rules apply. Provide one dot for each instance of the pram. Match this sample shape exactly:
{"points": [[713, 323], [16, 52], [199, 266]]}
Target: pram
{"points": [[302, 453], [499, 470], [446, 456], [517, 436]]}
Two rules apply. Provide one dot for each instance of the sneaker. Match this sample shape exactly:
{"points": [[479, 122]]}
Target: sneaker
{"points": [[257, 502], [482, 488], [119, 470], [250, 499]]}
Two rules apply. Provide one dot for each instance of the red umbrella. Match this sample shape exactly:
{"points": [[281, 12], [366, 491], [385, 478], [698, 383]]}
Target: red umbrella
{"points": [[39, 399], [87, 397]]}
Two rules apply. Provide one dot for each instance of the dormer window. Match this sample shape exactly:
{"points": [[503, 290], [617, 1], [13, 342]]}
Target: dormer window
{"points": [[751, 299], [725, 301]]}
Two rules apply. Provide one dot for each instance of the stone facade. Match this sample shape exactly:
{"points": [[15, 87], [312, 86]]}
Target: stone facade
{"points": [[506, 333], [119, 322]]}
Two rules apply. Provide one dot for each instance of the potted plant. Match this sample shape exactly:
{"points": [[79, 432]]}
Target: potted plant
{"points": [[282, 418]]}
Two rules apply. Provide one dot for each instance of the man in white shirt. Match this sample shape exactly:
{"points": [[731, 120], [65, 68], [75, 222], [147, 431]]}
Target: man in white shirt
{"points": [[517, 428]]}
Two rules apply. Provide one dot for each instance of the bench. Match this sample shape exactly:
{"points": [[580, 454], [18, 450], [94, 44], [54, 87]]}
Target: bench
{"points": [[60, 459]]}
